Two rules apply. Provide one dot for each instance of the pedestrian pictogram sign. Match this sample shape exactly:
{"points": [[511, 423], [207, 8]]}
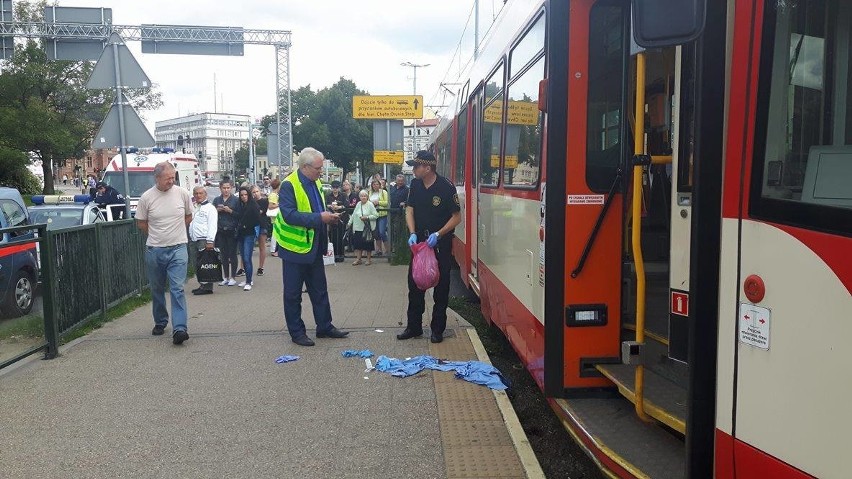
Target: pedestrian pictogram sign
{"points": [[680, 303], [387, 107]]}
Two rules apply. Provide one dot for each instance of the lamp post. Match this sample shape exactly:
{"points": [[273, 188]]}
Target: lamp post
{"points": [[415, 66]]}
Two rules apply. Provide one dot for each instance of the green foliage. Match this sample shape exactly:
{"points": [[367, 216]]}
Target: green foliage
{"points": [[323, 120], [45, 108], [14, 172]]}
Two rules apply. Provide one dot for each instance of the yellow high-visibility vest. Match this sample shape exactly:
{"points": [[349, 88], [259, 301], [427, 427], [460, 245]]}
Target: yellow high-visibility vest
{"points": [[297, 239]]}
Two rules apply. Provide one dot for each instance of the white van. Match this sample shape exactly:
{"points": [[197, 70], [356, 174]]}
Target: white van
{"points": [[140, 170]]}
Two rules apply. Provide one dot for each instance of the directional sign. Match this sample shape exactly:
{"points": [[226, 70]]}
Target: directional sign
{"points": [[388, 157], [132, 75], [211, 40], [387, 107], [109, 135], [7, 44], [59, 48]]}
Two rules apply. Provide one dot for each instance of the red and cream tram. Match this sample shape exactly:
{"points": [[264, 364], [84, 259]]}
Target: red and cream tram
{"points": [[664, 232]]}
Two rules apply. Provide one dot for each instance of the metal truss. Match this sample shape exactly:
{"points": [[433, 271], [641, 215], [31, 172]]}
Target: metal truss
{"points": [[280, 39], [167, 33]]}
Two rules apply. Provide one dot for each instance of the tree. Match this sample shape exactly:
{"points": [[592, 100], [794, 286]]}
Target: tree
{"points": [[323, 120], [45, 108]]}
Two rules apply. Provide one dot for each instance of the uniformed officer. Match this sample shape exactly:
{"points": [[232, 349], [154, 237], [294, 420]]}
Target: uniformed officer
{"points": [[432, 212]]}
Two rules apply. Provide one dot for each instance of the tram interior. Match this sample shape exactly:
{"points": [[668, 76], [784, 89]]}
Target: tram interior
{"points": [[665, 342]]}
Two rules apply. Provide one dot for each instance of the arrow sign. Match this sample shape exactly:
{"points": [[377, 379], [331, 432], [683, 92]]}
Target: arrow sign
{"points": [[103, 76], [136, 133]]}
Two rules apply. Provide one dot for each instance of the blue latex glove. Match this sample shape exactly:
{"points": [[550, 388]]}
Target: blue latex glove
{"points": [[412, 240], [432, 240]]}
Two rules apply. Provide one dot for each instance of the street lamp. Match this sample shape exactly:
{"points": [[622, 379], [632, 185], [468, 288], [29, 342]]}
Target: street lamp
{"points": [[415, 66]]}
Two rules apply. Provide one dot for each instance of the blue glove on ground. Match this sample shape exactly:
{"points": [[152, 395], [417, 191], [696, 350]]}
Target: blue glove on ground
{"points": [[412, 240], [432, 240]]}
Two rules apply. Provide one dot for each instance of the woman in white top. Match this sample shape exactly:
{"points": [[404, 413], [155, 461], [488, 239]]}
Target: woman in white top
{"points": [[363, 218]]}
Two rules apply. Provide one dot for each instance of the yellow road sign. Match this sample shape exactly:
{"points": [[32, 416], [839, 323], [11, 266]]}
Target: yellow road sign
{"points": [[390, 157], [387, 107]]}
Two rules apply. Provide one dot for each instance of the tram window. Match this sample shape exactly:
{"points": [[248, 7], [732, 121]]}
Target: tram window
{"points": [[803, 167], [605, 121], [492, 120], [523, 129], [461, 141], [526, 50]]}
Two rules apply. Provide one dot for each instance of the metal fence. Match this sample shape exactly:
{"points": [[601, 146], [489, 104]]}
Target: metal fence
{"points": [[84, 271]]}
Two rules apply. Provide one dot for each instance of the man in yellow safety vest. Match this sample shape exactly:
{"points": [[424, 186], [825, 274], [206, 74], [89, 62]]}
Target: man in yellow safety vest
{"points": [[301, 233]]}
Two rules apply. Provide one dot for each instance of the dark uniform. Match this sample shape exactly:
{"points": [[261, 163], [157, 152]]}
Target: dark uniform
{"points": [[433, 208]]}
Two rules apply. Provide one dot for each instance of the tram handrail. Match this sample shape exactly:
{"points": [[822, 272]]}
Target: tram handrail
{"points": [[636, 225]]}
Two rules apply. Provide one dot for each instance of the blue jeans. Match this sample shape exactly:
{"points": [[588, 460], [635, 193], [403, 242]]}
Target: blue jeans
{"points": [[246, 244], [167, 264], [382, 228]]}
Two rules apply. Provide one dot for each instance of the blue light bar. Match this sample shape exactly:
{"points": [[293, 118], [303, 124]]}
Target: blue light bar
{"points": [[60, 199]]}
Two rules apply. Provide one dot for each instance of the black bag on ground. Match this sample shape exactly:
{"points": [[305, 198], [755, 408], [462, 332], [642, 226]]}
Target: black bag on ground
{"points": [[208, 266]]}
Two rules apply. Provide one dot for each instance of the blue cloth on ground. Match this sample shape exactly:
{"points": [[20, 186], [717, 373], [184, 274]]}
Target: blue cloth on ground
{"points": [[286, 358], [351, 353], [475, 372]]}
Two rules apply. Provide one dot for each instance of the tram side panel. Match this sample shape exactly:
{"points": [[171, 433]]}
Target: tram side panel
{"points": [[786, 277]]}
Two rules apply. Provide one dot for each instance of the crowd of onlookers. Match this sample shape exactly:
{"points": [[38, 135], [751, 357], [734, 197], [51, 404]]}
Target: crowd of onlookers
{"points": [[243, 223]]}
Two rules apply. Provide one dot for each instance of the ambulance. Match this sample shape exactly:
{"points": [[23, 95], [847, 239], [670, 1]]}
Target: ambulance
{"points": [[140, 170]]}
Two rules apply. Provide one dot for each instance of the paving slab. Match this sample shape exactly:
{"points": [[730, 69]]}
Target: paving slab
{"points": [[123, 403]]}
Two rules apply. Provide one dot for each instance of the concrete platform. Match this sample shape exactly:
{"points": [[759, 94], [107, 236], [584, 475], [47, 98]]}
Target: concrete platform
{"points": [[123, 403]]}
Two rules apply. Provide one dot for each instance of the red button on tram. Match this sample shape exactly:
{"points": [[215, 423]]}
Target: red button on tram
{"points": [[754, 288]]}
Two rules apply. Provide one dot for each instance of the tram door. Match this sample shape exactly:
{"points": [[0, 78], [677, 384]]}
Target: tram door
{"points": [[476, 150]]}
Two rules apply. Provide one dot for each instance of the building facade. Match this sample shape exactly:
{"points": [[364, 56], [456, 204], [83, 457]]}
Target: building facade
{"points": [[93, 163], [212, 137], [415, 138]]}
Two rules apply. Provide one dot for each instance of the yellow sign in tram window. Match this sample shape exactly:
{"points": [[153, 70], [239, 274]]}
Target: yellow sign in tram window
{"points": [[389, 157], [387, 107], [520, 113], [511, 162]]}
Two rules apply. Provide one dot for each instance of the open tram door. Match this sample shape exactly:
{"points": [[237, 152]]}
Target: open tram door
{"points": [[476, 146], [641, 124]]}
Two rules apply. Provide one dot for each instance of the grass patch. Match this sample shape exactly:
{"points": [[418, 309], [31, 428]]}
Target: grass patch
{"points": [[116, 311], [30, 326]]}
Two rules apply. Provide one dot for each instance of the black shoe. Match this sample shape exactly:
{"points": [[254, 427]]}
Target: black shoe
{"points": [[333, 333], [260, 271], [197, 290], [240, 272], [158, 330], [436, 337], [202, 292], [303, 341], [409, 333], [179, 337]]}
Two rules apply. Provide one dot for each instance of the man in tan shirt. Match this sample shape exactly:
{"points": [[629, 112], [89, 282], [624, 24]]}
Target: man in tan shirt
{"points": [[163, 213]]}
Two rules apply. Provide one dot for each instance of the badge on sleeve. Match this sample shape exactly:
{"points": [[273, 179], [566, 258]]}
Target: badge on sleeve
{"points": [[436, 201], [456, 199]]}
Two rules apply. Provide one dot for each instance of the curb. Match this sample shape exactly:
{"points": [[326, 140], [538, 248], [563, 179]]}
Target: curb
{"points": [[516, 432]]}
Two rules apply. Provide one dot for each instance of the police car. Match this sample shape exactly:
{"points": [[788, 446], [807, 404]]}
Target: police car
{"points": [[18, 267], [65, 211]]}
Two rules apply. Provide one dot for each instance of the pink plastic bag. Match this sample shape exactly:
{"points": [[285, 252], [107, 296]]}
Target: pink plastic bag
{"points": [[424, 266]]}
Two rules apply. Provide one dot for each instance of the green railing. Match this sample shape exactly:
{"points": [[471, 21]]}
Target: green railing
{"points": [[84, 271]]}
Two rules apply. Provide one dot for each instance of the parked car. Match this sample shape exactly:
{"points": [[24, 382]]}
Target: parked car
{"points": [[64, 211], [18, 266]]}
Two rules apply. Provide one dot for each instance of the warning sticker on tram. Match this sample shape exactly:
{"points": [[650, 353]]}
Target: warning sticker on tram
{"points": [[520, 113], [585, 199], [754, 325]]}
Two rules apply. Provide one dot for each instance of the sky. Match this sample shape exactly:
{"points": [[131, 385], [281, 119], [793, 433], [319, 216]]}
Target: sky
{"points": [[364, 41]]}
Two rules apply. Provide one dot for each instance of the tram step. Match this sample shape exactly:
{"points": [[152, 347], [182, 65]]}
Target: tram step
{"points": [[664, 400], [610, 427]]}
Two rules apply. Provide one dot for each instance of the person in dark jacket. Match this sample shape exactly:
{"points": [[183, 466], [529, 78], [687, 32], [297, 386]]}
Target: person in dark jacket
{"points": [[265, 227], [248, 220], [105, 195], [336, 202]]}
